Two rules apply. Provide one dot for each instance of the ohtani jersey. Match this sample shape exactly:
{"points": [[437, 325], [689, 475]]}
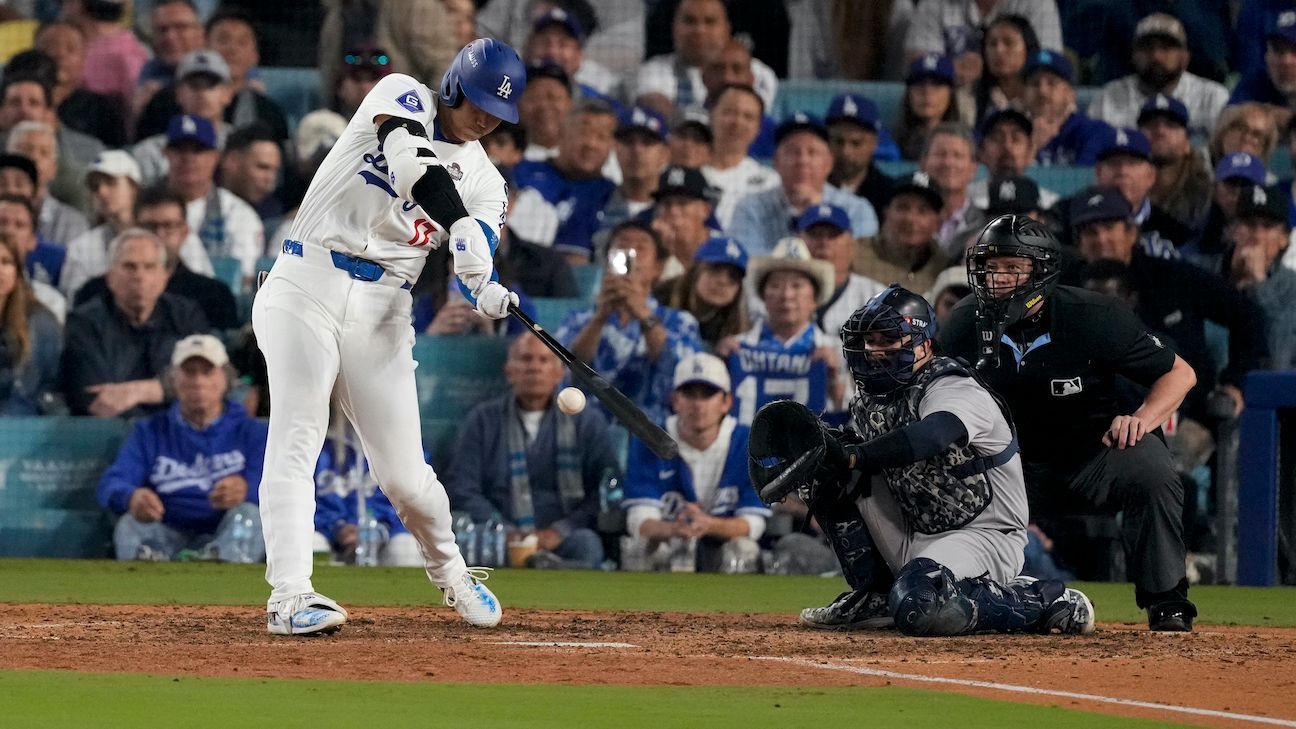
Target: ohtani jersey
{"points": [[351, 207], [764, 369]]}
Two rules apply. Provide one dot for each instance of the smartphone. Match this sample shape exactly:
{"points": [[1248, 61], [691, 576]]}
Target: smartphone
{"points": [[621, 260]]}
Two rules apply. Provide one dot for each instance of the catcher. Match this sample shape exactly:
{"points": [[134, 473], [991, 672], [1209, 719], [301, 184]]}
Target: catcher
{"points": [[928, 487]]}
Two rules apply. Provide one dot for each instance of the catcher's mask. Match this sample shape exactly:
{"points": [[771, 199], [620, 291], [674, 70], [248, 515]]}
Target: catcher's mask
{"points": [[787, 441], [882, 339]]}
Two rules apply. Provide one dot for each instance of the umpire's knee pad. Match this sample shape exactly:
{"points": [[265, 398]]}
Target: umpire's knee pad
{"points": [[925, 601]]}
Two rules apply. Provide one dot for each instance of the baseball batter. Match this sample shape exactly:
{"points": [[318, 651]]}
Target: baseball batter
{"points": [[928, 488], [407, 175]]}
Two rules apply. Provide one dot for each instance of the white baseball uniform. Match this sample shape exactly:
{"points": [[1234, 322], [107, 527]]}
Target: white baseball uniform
{"points": [[317, 324]]}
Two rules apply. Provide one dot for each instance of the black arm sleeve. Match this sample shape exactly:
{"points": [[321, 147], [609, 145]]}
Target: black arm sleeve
{"points": [[436, 194], [912, 443]]}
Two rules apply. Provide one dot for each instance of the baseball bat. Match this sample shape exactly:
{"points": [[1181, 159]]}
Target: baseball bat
{"points": [[657, 440]]}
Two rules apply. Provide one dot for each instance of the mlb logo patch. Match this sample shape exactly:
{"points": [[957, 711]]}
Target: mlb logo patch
{"points": [[1062, 388], [410, 100]]}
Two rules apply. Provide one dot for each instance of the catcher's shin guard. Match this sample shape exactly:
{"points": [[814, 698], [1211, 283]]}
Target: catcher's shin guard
{"points": [[927, 600], [852, 544]]}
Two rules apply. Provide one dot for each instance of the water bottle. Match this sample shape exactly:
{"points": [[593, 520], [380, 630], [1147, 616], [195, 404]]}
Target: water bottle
{"points": [[499, 536], [369, 542], [240, 540], [468, 544], [486, 553], [610, 492]]}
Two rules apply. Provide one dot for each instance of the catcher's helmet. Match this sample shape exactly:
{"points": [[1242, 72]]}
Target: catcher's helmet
{"points": [[882, 338], [490, 74], [1013, 236]]}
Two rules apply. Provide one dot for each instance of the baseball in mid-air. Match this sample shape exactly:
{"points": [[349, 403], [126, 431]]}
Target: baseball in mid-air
{"points": [[571, 400]]}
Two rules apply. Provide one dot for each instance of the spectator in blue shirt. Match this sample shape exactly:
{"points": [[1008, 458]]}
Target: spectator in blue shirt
{"points": [[187, 478], [628, 336], [803, 161], [699, 508], [522, 460], [570, 188], [1255, 21], [1063, 135], [1274, 84], [339, 486]]}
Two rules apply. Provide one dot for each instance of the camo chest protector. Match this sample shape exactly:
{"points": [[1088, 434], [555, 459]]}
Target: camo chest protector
{"points": [[944, 492]]}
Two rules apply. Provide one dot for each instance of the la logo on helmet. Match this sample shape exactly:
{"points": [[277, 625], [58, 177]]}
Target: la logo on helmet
{"points": [[505, 89]]}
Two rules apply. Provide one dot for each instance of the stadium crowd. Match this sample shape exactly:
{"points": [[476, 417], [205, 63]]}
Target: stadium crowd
{"points": [[694, 236]]}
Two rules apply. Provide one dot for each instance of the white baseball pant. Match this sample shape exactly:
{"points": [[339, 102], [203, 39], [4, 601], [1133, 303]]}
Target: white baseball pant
{"points": [[316, 325]]}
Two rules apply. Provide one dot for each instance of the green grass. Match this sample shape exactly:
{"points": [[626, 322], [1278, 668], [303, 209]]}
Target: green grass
{"points": [[95, 582], [104, 701]]}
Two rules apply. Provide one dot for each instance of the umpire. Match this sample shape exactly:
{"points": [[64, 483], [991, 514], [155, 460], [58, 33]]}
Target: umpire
{"points": [[1054, 353]]}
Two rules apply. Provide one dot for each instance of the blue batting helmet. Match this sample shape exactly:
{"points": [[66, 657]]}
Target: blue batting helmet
{"points": [[881, 339], [490, 74]]}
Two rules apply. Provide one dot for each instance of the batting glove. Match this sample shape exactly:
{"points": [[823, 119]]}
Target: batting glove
{"points": [[493, 300]]}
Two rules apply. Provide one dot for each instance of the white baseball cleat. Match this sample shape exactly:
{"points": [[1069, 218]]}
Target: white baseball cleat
{"points": [[474, 602], [307, 614]]}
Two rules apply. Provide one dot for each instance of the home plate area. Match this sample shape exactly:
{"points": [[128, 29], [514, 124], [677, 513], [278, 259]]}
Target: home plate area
{"points": [[1218, 676]]}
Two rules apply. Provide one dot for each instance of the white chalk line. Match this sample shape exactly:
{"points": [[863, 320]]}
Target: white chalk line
{"points": [[562, 644], [1013, 688]]}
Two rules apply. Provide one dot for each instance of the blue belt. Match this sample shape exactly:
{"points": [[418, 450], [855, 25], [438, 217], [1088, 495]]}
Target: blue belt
{"points": [[360, 269]]}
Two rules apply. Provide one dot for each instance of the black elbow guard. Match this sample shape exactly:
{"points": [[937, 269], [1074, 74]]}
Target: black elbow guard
{"points": [[436, 194], [396, 122]]}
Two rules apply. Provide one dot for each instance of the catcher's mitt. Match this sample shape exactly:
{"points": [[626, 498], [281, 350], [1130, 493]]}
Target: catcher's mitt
{"points": [[791, 449]]}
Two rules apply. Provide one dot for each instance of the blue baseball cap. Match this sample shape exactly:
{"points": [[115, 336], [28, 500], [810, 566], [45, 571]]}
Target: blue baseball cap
{"points": [[932, 66], [722, 249], [1241, 166], [853, 108], [823, 213], [1055, 62], [189, 128], [1099, 203], [800, 122], [1164, 106], [1284, 27], [642, 119], [1121, 140], [562, 19]]}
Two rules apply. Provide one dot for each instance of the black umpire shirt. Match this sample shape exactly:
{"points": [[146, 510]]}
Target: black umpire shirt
{"points": [[1058, 370]]}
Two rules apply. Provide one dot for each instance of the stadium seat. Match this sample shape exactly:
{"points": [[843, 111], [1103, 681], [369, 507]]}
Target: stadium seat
{"points": [[549, 313], [49, 468], [295, 90], [588, 278], [812, 97], [228, 271], [439, 436], [1064, 181], [457, 372]]}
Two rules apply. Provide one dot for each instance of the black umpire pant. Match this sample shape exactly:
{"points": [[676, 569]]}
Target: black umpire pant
{"points": [[1142, 483]]}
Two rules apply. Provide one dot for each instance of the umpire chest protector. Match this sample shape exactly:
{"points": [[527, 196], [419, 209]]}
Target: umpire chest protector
{"points": [[941, 493]]}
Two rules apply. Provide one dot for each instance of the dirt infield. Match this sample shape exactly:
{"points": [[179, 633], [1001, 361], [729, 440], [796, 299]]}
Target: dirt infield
{"points": [[1239, 670]]}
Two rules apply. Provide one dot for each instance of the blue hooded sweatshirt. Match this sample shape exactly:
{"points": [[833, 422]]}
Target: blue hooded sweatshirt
{"points": [[181, 463]]}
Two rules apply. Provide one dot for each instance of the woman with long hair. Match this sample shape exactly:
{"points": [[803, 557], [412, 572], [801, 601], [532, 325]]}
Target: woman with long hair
{"points": [[929, 99], [31, 341], [1009, 41], [711, 290]]}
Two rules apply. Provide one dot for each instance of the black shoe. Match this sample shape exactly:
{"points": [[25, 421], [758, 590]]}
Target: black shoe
{"points": [[850, 611], [1172, 616]]}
